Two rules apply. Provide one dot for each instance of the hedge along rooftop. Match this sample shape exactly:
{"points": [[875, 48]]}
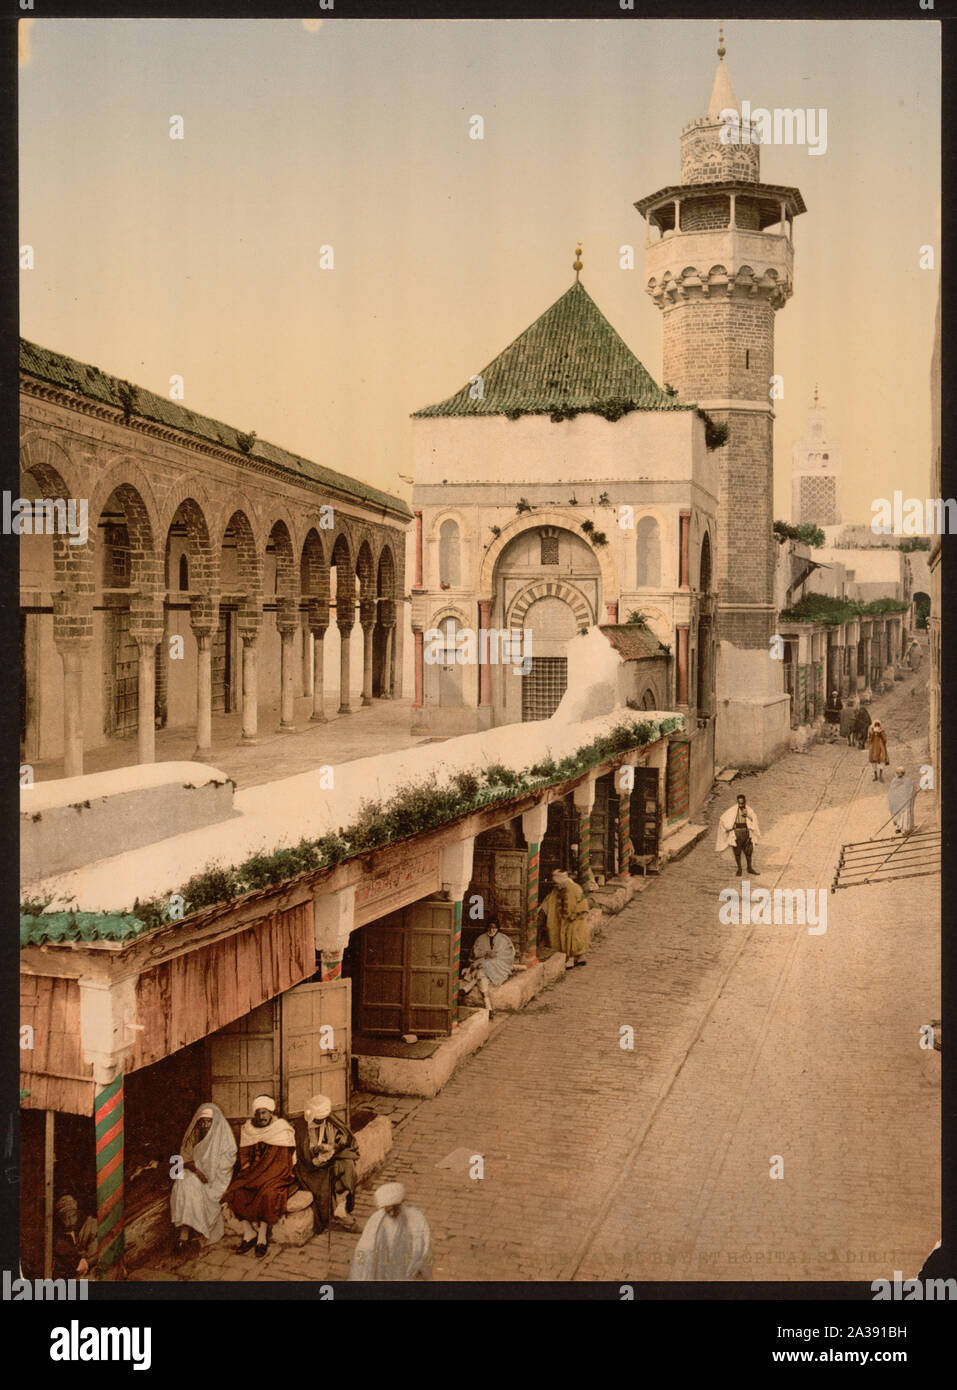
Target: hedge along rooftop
{"points": [[65, 372], [570, 358], [278, 815]]}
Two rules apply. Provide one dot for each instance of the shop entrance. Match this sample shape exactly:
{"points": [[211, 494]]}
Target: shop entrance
{"points": [[407, 965], [292, 1047]]}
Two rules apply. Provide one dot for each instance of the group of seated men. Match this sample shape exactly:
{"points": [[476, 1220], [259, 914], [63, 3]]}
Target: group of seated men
{"points": [[316, 1153]]}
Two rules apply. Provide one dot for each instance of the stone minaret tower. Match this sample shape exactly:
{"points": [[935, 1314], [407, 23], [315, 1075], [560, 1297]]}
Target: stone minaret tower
{"points": [[720, 259], [816, 472]]}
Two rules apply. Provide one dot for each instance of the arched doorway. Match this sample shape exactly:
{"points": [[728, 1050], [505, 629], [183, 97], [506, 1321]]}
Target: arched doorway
{"points": [[547, 588]]}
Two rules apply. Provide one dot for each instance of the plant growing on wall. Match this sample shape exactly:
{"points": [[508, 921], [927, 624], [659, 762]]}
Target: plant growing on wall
{"points": [[245, 442], [598, 538], [588, 526], [523, 506]]}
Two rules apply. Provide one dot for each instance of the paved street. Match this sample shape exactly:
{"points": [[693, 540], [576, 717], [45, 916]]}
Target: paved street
{"points": [[754, 1047]]}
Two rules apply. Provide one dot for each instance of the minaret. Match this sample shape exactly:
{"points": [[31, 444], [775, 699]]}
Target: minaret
{"points": [[720, 259], [816, 472]]}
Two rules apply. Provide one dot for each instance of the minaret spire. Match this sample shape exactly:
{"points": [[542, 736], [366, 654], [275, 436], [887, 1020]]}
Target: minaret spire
{"points": [[722, 93]]}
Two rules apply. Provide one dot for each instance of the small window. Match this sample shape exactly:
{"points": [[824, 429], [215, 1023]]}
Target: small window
{"points": [[747, 358], [183, 573], [549, 550]]}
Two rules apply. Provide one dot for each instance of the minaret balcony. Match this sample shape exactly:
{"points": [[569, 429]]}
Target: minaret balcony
{"points": [[720, 261]]}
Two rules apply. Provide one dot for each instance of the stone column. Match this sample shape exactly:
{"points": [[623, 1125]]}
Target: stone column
{"points": [[681, 692], [485, 623], [611, 608], [418, 664], [318, 624], [534, 824], [387, 647], [71, 655], [146, 698], [204, 694], [308, 664], [249, 624], [418, 549], [287, 659], [345, 633], [684, 562], [250, 689], [107, 1019], [387, 620], [367, 611]]}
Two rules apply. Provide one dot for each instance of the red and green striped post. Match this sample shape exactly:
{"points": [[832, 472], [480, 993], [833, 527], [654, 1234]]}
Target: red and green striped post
{"points": [[457, 955], [531, 905], [108, 1129], [625, 847], [331, 966]]}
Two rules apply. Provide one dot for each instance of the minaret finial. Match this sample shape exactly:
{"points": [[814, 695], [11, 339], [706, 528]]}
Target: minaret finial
{"points": [[721, 48], [815, 393], [577, 263]]}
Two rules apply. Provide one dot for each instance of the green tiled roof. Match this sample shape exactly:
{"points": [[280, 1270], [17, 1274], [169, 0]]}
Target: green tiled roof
{"points": [[570, 358], [78, 926], [89, 381]]}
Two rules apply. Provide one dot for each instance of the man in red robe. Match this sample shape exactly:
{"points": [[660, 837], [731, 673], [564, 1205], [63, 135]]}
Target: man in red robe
{"points": [[264, 1180]]}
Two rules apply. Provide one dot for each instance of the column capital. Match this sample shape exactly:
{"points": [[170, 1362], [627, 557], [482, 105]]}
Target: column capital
{"points": [[333, 917]]}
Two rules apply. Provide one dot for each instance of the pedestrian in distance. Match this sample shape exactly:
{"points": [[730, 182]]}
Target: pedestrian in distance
{"points": [[737, 830], [877, 750], [832, 715], [900, 800], [848, 718], [862, 723]]}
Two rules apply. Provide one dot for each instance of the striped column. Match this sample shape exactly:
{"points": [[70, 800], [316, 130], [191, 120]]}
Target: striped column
{"points": [[457, 955], [625, 847], [584, 850], [108, 1128], [531, 905], [331, 968]]}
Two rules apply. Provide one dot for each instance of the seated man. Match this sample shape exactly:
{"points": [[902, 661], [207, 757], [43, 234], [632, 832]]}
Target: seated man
{"points": [[208, 1152], [74, 1242], [396, 1243], [264, 1180], [326, 1158], [493, 956]]}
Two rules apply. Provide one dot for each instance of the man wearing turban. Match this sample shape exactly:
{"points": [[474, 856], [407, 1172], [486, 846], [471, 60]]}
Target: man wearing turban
{"points": [[566, 918], [208, 1152], [396, 1243], [264, 1180], [326, 1157], [74, 1241]]}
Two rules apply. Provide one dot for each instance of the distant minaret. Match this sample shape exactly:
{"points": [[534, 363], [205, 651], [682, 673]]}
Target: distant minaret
{"points": [[816, 472], [720, 261]]}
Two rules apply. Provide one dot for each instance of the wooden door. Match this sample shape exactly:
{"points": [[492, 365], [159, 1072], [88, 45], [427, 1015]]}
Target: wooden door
{"points": [[221, 662], [604, 828], [243, 1060], [499, 878], [316, 1031], [408, 971], [645, 812], [125, 674], [561, 832]]}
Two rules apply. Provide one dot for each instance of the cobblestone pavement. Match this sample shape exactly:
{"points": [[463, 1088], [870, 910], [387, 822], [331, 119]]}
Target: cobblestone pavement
{"points": [[750, 1043]]}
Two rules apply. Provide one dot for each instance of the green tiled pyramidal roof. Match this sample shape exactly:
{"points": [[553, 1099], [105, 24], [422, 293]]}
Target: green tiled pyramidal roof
{"points": [[66, 372], [569, 359]]}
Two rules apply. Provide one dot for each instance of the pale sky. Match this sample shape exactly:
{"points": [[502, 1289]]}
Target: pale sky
{"points": [[200, 256]]}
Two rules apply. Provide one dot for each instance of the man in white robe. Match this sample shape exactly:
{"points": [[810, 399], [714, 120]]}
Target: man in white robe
{"points": [[208, 1152], [738, 830], [396, 1243], [900, 800], [493, 957]]}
